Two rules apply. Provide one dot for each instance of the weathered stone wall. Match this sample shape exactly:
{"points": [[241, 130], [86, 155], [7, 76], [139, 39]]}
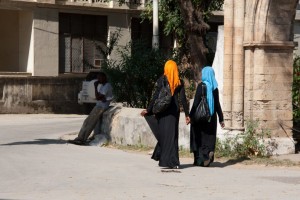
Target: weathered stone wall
{"points": [[269, 64], [258, 65], [40, 94]]}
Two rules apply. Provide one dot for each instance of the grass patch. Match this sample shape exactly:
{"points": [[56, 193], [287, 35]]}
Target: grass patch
{"points": [[185, 153], [271, 162], [130, 148]]}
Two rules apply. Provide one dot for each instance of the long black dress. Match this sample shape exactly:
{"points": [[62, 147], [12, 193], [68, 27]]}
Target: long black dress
{"points": [[203, 134], [166, 150]]}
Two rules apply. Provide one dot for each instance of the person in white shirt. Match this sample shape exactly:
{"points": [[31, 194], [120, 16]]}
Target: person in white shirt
{"points": [[104, 95]]}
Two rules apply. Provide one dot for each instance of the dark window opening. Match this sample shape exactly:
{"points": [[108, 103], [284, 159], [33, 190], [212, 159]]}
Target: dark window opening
{"points": [[79, 37]]}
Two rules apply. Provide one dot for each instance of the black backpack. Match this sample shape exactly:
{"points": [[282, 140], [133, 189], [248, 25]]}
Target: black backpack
{"points": [[202, 112], [164, 98]]}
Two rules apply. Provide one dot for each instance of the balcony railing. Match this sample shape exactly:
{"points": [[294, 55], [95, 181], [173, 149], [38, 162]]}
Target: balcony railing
{"points": [[109, 3], [127, 4]]}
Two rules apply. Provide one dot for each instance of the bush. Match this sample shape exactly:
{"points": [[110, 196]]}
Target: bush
{"points": [[248, 144], [134, 75]]}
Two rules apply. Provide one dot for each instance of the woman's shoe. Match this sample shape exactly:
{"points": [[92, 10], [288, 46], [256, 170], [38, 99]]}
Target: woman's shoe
{"points": [[77, 142], [210, 159]]}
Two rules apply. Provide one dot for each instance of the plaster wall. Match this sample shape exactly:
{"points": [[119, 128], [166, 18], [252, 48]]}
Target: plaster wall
{"points": [[119, 21], [46, 36], [27, 94]]}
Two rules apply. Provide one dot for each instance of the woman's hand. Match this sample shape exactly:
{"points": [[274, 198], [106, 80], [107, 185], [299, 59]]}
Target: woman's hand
{"points": [[187, 120], [144, 112], [222, 124]]}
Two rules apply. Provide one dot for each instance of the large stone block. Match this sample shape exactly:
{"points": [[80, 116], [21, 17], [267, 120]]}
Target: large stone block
{"points": [[272, 115], [271, 105], [127, 127]]}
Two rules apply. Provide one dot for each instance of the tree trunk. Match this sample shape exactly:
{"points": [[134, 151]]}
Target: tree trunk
{"points": [[195, 31]]}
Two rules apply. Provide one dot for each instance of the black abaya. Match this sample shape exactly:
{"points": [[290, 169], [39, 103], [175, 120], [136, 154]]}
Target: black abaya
{"points": [[203, 134], [166, 150]]}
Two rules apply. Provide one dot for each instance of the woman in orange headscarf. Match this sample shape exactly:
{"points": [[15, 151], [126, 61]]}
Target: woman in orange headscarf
{"points": [[166, 150]]}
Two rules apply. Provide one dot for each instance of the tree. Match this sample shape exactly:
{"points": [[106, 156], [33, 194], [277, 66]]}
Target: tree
{"points": [[187, 20]]}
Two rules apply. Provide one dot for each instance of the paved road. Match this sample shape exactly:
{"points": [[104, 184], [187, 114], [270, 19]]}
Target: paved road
{"points": [[35, 164]]}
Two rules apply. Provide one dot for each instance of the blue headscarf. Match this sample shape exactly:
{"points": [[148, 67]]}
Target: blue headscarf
{"points": [[208, 77]]}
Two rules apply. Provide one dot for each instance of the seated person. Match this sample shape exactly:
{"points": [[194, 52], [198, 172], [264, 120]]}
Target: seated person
{"points": [[103, 93]]}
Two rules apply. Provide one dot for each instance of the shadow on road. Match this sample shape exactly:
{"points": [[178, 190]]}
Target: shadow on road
{"points": [[37, 142], [228, 162], [218, 164], [183, 166]]}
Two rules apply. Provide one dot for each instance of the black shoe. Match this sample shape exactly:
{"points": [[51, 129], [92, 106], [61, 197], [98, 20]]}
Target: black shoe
{"points": [[77, 142]]}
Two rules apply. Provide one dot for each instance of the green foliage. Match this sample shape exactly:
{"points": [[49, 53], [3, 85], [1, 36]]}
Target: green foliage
{"points": [[208, 7], [170, 14], [248, 144], [135, 73], [296, 90]]}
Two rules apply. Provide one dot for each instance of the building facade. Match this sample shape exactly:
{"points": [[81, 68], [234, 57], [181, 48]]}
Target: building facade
{"points": [[46, 38], [48, 46]]}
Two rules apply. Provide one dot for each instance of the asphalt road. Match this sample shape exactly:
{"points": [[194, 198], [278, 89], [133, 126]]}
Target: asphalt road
{"points": [[36, 164]]}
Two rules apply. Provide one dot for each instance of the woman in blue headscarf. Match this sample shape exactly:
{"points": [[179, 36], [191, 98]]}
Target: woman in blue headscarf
{"points": [[203, 133]]}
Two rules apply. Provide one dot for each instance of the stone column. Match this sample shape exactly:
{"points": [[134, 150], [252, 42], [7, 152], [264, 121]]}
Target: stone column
{"points": [[233, 105], [238, 65], [269, 68], [228, 61]]}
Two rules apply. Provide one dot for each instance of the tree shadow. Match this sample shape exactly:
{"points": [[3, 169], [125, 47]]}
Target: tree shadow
{"points": [[37, 142], [218, 164], [229, 162]]}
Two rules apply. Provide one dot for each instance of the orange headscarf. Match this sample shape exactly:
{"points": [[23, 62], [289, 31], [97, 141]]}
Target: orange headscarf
{"points": [[171, 72]]}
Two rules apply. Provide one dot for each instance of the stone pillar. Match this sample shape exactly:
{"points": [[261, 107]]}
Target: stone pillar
{"points": [[269, 68], [233, 105], [238, 65], [228, 61]]}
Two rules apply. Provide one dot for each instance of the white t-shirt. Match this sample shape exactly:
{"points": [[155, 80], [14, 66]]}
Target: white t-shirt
{"points": [[106, 90]]}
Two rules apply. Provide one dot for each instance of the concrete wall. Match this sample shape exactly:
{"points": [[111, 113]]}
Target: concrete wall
{"points": [[20, 94], [125, 126], [9, 40], [46, 54], [119, 21]]}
